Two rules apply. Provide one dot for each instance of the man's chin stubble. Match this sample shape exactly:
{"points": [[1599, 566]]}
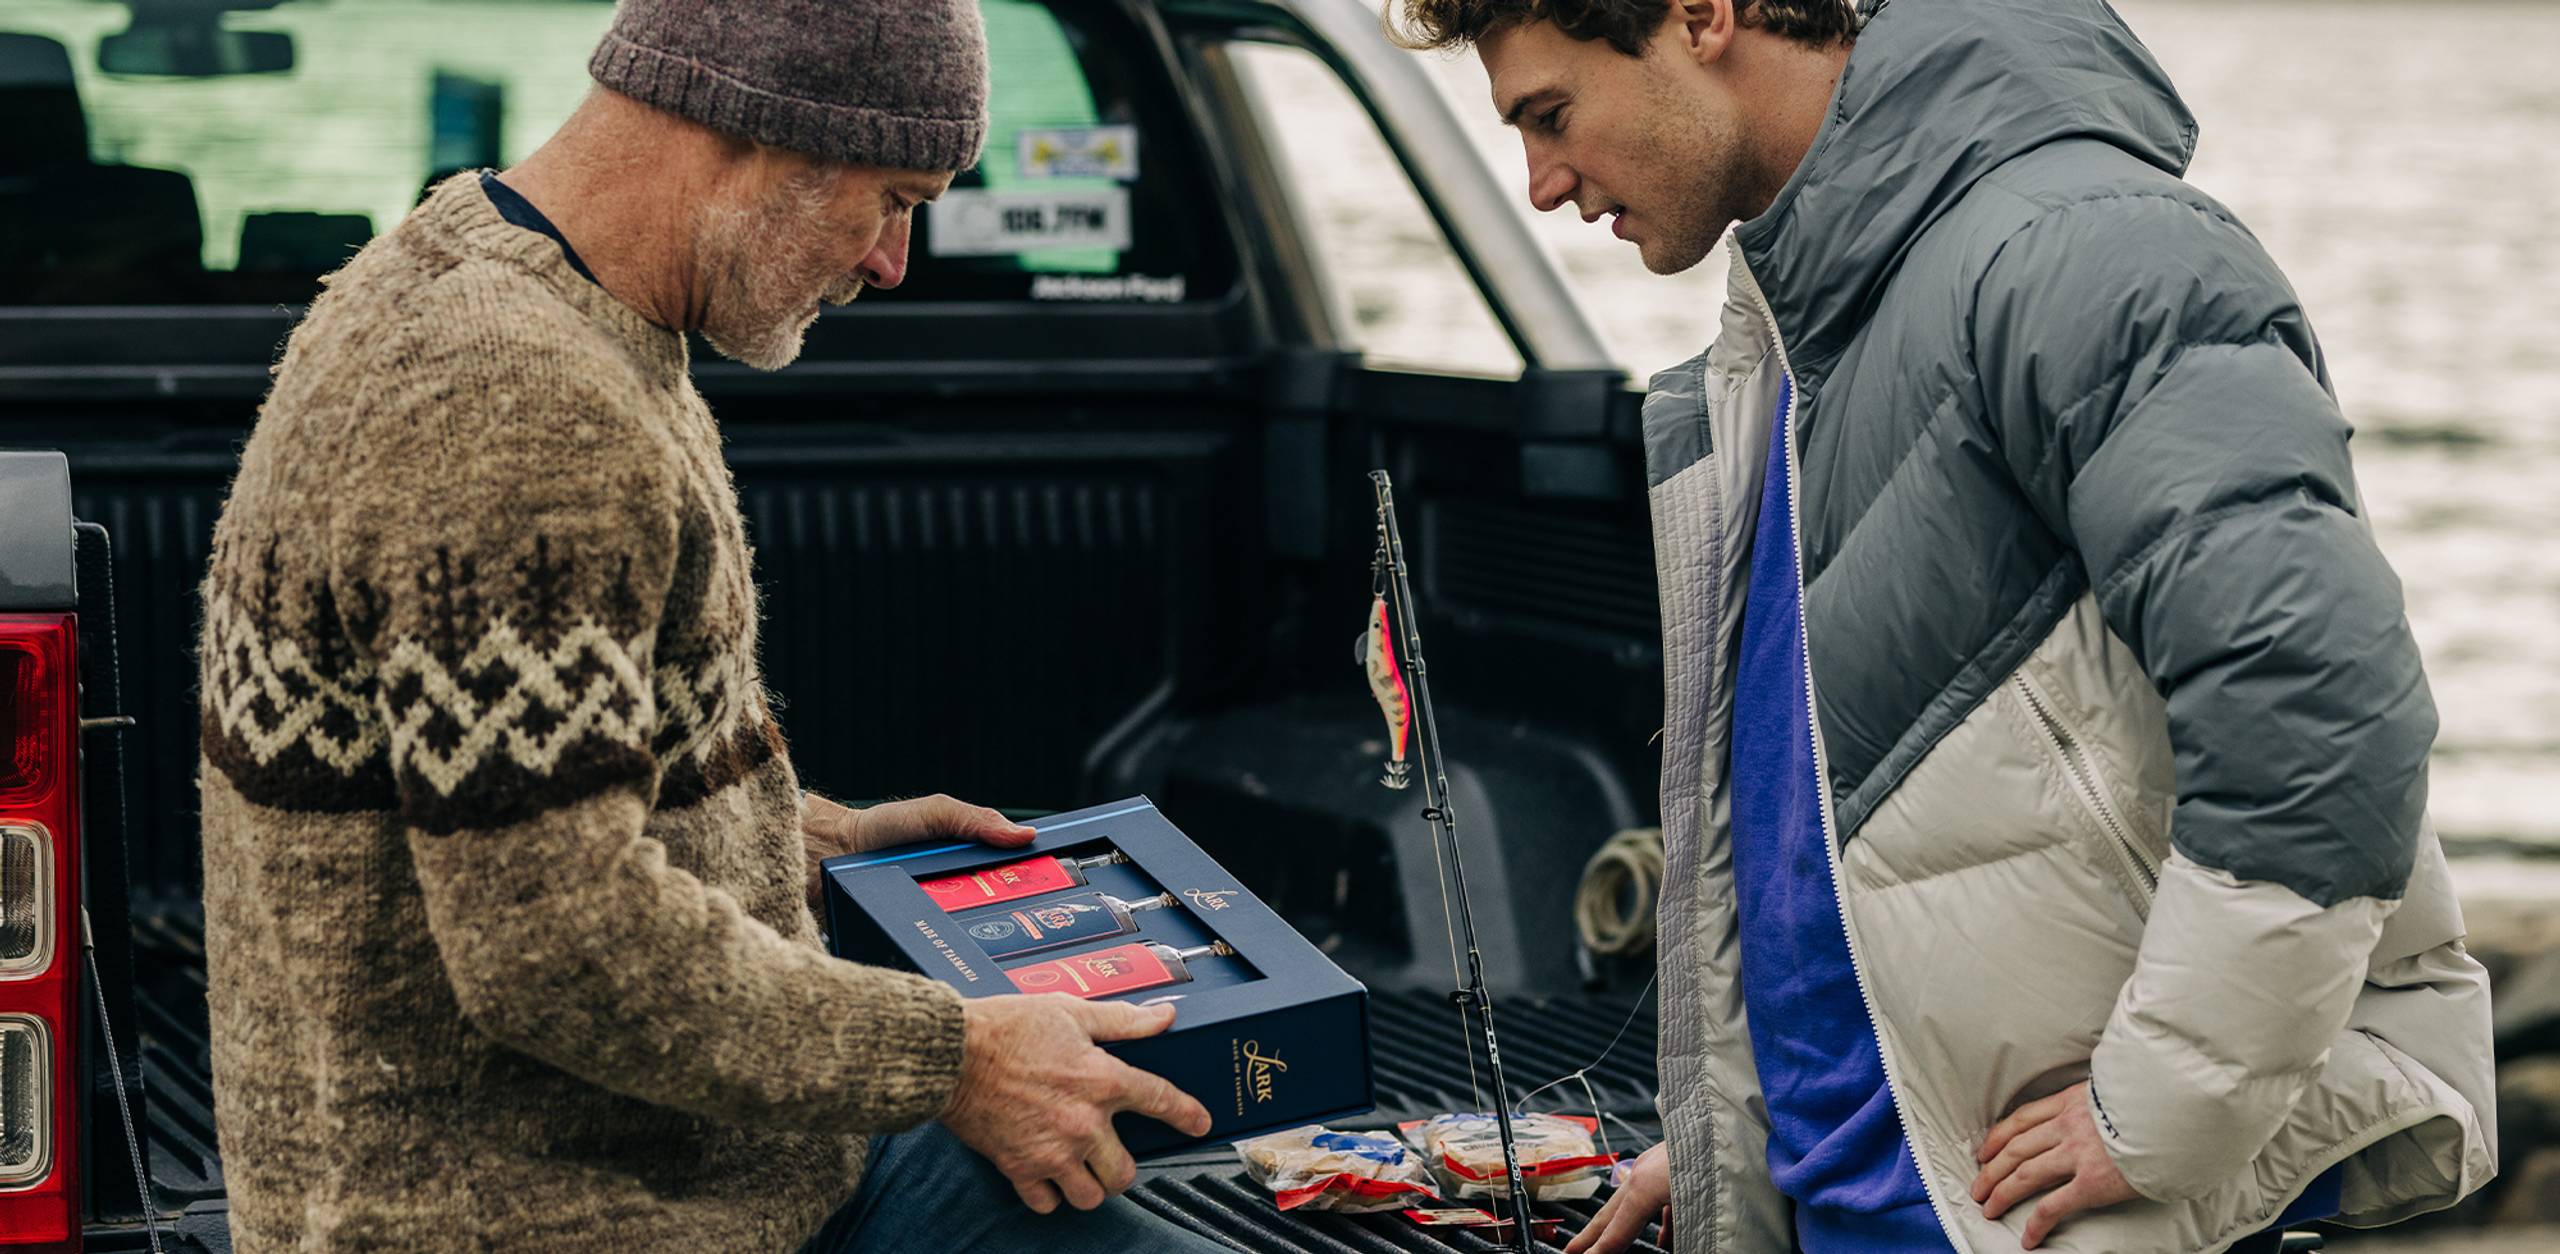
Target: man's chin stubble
{"points": [[1674, 263], [769, 349], [772, 350]]}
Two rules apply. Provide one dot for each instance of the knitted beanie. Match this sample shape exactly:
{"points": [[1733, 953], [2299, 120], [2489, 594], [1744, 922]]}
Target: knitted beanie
{"points": [[899, 83]]}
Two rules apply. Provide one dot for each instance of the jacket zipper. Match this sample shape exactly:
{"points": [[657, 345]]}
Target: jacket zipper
{"points": [[2084, 776], [1821, 761]]}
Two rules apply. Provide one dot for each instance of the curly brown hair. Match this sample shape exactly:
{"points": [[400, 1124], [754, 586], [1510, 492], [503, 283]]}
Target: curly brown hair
{"points": [[1626, 24]]}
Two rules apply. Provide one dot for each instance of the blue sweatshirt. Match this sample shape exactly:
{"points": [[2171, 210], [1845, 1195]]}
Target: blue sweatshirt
{"points": [[1836, 1144]]}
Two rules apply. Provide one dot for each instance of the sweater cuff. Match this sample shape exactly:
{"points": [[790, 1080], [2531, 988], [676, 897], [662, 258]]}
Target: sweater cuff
{"points": [[920, 1029]]}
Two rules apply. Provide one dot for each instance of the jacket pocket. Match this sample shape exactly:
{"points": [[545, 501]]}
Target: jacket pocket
{"points": [[2141, 875]]}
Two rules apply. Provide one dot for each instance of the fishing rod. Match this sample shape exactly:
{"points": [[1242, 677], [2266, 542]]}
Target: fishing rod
{"points": [[1391, 628]]}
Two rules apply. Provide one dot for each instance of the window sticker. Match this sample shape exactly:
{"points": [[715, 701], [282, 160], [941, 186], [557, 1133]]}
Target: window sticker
{"points": [[1077, 152], [1146, 288], [970, 222]]}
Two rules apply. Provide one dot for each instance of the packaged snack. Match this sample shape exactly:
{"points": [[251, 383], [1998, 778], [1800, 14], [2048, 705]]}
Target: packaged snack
{"points": [[1316, 1168], [1557, 1159]]}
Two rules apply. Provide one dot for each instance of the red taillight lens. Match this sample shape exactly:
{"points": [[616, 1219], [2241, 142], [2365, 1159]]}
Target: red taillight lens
{"points": [[39, 943], [33, 716]]}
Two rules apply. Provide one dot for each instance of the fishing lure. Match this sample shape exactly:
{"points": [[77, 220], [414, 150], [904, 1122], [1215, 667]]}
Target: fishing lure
{"points": [[1375, 651]]}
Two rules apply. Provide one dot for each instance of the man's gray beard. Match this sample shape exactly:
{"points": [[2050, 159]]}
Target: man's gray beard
{"points": [[763, 258]]}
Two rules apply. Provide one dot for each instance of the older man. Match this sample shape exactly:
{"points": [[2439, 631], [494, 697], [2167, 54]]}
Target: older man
{"points": [[505, 861]]}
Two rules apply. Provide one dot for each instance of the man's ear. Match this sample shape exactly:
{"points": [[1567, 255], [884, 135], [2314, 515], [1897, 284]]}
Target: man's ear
{"points": [[1707, 27]]}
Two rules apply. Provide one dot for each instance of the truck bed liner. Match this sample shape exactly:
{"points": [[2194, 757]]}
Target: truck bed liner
{"points": [[1420, 1056]]}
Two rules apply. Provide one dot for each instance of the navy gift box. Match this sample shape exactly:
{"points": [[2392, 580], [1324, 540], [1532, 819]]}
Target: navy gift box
{"points": [[1273, 1036]]}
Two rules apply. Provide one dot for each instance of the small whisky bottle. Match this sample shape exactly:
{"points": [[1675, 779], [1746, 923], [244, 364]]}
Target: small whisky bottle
{"points": [[1059, 921], [1120, 969], [1013, 881]]}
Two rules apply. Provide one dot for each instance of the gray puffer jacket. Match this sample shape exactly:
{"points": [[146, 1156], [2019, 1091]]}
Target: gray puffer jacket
{"points": [[2123, 731]]}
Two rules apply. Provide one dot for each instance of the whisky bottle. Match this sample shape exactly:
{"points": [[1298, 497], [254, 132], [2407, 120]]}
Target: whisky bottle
{"points": [[1059, 921], [1120, 969], [1013, 881]]}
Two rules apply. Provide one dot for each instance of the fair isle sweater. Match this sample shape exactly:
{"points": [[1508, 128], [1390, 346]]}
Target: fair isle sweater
{"points": [[503, 872]]}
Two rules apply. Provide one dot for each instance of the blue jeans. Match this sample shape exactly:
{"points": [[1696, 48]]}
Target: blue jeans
{"points": [[926, 1191]]}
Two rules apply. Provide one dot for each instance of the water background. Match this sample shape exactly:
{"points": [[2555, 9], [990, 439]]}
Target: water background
{"points": [[2402, 162]]}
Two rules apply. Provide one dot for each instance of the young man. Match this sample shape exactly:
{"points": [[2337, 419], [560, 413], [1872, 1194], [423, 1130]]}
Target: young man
{"points": [[506, 865], [2005, 529]]}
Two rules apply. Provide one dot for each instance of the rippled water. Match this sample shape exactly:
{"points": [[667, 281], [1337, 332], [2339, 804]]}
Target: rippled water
{"points": [[2400, 159], [2402, 162]]}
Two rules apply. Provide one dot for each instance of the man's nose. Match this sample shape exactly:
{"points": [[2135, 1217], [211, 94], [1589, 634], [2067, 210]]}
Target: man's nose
{"points": [[1551, 184], [886, 267]]}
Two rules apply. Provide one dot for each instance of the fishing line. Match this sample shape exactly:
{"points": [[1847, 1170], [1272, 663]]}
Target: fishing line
{"points": [[1606, 1050], [1583, 1072], [1457, 976]]}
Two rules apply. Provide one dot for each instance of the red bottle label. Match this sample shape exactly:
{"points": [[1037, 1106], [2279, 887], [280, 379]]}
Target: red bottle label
{"points": [[1102, 973], [1011, 882]]}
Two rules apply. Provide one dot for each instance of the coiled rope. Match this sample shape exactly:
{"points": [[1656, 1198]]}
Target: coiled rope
{"points": [[1614, 907]]}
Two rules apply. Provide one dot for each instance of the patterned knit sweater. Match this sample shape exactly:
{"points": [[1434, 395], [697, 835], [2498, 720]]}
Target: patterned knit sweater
{"points": [[503, 872]]}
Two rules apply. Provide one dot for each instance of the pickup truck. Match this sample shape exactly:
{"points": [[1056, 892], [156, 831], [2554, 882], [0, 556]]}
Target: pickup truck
{"points": [[1078, 511]]}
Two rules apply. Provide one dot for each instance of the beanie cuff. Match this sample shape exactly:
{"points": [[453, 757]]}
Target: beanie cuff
{"points": [[853, 134]]}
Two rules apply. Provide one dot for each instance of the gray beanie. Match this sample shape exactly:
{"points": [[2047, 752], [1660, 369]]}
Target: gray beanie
{"points": [[899, 83]]}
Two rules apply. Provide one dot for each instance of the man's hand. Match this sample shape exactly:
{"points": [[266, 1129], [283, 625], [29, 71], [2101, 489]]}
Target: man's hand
{"points": [[2051, 1143], [828, 829], [1036, 1095], [1644, 1197]]}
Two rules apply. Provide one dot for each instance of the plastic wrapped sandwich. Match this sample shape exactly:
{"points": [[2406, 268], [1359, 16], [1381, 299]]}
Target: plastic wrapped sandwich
{"points": [[1320, 1169], [1557, 1159]]}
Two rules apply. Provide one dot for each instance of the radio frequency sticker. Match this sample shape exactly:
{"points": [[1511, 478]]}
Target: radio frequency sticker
{"points": [[973, 222]]}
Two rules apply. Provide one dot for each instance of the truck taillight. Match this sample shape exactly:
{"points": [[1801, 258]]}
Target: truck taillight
{"points": [[26, 898], [33, 712], [39, 943], [26, 1099]]}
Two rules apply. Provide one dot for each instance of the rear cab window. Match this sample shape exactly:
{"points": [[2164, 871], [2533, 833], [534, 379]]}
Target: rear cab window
{"points": [[1086, 190], [178, 155]]}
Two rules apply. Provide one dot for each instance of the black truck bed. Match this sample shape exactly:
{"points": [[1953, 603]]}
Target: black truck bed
{"points": [[1418, 1045]]}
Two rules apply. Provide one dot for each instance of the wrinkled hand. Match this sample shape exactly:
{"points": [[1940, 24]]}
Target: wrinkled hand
{"points": [[2051, 1143], [1645, 1196], [1036, 1095], [828, 829]]}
